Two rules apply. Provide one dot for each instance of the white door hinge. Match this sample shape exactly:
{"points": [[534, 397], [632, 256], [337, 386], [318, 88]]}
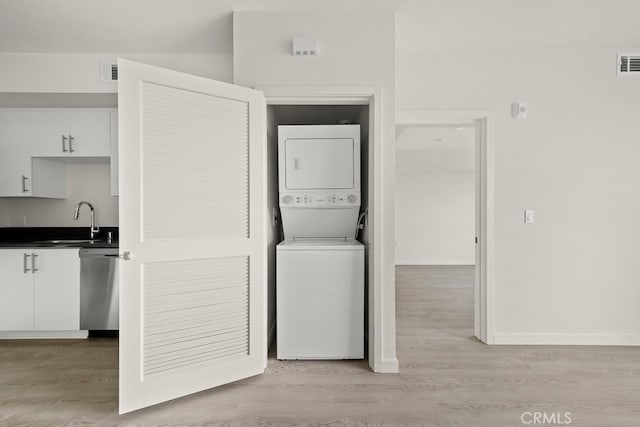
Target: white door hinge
{"points": [[125, 256]]}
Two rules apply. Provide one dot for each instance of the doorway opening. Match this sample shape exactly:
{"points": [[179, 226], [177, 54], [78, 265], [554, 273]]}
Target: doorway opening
{"points": [[310, 114], [444, 201]]}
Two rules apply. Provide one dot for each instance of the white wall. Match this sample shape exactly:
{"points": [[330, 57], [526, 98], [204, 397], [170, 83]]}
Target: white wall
{"points": [[435, 222], [80, 72], [435, 195], [85, 181], [573, 275]]}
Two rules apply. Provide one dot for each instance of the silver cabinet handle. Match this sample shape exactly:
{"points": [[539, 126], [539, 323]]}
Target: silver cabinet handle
{"points": [[33, 263], [24, 263], [71, 150], [64, 147], [24, 184]]}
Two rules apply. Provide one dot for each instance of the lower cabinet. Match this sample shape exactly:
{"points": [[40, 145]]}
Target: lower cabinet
{"points": [[39, 290]]}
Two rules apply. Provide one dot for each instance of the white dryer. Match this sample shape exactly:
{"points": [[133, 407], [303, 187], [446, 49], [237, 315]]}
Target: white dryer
{"points": [[319, 265], [319, 180]]}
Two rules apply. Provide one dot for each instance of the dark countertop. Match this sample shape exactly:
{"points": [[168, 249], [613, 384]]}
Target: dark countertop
{"points": [[40, 237]]}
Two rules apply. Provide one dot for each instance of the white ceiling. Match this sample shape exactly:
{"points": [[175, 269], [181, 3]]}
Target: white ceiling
{"points": [[138, 26], [205, 26]]}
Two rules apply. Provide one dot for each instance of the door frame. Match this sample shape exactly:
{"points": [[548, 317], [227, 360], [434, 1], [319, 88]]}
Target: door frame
{"points": [[485, 252], [379, 311]]}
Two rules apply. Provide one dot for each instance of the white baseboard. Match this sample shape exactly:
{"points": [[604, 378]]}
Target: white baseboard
{"points": [[386, 366], [435, 262], [566, 339], [44, 335]]}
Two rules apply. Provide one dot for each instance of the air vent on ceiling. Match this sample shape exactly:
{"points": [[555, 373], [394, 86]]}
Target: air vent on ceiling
{"points": [[629, 64], [109, 73]]}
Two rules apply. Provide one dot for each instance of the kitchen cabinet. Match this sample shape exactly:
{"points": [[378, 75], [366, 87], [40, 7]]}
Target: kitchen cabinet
{"points": [[20, 175], [70, 133], [16, 291], [40, 290]]}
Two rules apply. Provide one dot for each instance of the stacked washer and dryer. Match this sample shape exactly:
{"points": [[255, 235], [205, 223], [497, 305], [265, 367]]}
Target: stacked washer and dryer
{"points": [[319, 264]]}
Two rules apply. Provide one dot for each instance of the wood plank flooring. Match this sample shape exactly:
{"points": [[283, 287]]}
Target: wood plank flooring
{"points": [[447, 378]]}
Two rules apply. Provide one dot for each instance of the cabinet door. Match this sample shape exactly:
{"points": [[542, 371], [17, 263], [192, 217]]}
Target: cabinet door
{"points": [[89, 131], [15, 160], [57, 290], [49, 133], [16, 291]]}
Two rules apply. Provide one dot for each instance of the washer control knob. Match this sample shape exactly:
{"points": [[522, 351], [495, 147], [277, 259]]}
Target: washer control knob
{"points": [[351, 198], [287, 199]]}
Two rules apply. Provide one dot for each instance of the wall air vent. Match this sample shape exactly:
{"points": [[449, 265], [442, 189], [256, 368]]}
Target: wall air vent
{"points": [[629, 64], [108, 73]]}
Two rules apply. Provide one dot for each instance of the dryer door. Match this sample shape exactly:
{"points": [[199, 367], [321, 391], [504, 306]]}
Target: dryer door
{"points": [[307, 159]]}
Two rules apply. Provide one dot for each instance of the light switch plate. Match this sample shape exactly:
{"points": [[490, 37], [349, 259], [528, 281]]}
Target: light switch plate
{"points": [[529, 216]]}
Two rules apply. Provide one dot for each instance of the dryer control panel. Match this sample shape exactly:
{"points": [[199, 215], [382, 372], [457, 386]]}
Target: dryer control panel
{"points": [[320, 199]]}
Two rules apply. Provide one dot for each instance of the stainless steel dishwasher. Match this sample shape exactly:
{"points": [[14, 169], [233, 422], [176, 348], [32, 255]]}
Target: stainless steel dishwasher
{"points": [[99, 289]]}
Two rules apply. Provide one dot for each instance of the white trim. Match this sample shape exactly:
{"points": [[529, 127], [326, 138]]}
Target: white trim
{"points": [[467, 262], [381, 313], [34, 335], [440, 117], [483, 122], [436, 171], [388, 366], [565, 339]]}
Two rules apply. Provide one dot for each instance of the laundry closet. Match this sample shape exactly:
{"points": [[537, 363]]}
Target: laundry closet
{"points": [[317, 194]]}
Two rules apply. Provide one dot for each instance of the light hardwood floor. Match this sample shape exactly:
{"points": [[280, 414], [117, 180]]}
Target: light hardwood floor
{"points": [[447, 378]]}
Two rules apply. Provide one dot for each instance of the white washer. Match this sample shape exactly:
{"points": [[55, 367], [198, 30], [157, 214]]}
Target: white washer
{"points": [[320, 299]]}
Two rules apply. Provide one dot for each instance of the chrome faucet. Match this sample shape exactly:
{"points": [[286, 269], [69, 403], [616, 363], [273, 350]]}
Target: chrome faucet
{"points": [[76, 215]]}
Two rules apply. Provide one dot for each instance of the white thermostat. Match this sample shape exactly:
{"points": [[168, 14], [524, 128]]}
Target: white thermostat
{"points": [[519, 110]]}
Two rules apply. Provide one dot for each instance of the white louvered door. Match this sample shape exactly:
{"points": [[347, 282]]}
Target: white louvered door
{"points": [[192, 217]]}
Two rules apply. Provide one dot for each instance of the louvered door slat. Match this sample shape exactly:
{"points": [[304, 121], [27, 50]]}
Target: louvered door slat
{"points": [[176, 364], [194, 314], [195, 332], [193, 323]]}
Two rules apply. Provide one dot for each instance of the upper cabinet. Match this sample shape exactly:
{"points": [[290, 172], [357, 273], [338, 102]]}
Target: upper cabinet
{"points": [[15, 161], [20, 174], [34, 144], [70, 133]]}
